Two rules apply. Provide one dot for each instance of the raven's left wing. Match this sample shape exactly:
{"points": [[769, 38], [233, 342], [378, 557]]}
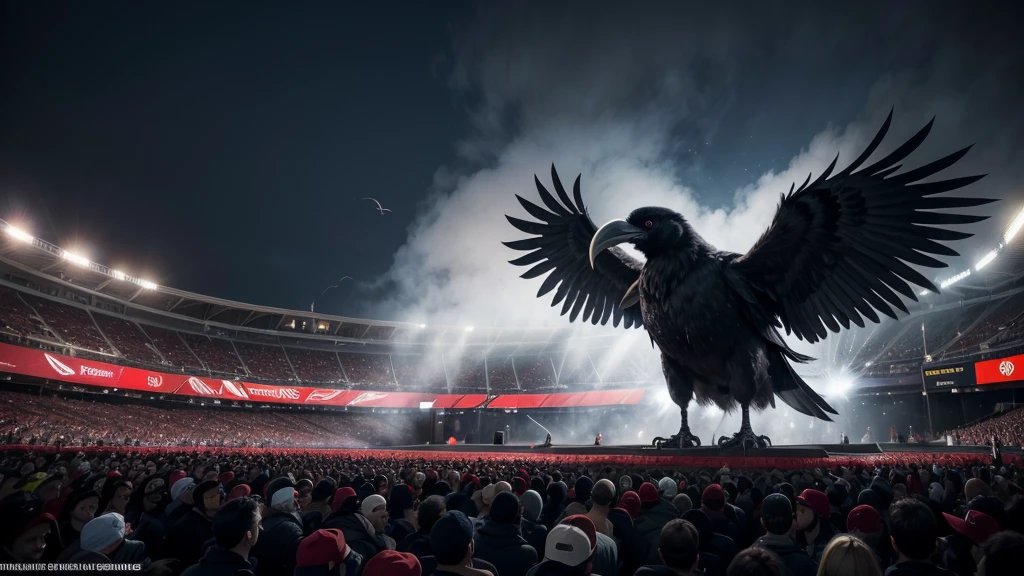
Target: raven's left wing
{"points": [[839, 248], [561, 245]]}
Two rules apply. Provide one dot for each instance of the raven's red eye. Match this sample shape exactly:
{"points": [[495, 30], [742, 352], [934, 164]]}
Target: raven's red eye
{"points": [[648, 224]]}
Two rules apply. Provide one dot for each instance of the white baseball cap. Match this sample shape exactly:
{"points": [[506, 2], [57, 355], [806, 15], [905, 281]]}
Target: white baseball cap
{"points": [[567, 545]]}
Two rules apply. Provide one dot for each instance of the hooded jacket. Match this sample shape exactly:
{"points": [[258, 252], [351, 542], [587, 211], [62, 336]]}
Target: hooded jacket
{"points": [[277, 544], [793, 557], [503, 545], [220, 562]]}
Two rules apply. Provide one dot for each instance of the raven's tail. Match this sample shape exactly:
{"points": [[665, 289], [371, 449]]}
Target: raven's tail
{"points": [[791, 388]]}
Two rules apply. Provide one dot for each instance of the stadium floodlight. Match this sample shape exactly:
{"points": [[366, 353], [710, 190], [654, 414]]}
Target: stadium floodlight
{"points": [[118, 275], [986, 259], [867, 364], [950, 281], [75, 259], [19, 234], [147, 284], [923, 293], [1014, 227]]}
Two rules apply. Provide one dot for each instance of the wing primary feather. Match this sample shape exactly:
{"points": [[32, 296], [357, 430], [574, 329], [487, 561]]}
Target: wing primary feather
{"points": [[871, 147], [902, 152], [536, 211], [549, 200], [930, 168], [577, 196], [560, 190]]}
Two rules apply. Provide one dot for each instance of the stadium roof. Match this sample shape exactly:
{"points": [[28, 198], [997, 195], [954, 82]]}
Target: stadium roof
{"points": [[34, 258]]}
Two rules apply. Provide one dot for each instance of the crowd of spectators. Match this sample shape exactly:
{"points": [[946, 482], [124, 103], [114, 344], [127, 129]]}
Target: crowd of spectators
{"points": [[316, 366], [173, 348], [17, 318], [416, 372], [371, 371], [126, 337], [535, 372], [501, 376], [72, 324], [265, 362], [1006, 428], [49, 420], [223, 512], [217, 354], [1004, 316]]}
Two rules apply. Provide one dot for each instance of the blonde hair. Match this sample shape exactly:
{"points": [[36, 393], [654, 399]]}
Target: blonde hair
{"points": [[848, 555]]}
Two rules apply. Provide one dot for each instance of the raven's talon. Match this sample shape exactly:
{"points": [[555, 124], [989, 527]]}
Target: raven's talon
{"points": [[746, 439], [678, 441]]}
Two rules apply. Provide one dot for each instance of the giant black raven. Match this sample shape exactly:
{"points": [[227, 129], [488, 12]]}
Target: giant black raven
{"points": [[838, 249]]}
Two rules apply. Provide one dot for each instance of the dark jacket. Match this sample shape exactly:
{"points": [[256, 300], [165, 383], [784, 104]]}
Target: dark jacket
{"points": [[186, 538], [417, 544], [825, 535], [219, 562], [655, 570], [400, 529], [535, 534], [503, 545], [429, 565], [661, 513], [915, 568], [359, 534], [648, 536], [129, 552], [277, 544], [353, 566], [631, 548], [793, 557]]}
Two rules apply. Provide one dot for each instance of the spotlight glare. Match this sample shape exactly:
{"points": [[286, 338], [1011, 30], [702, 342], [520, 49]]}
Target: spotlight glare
{"points": [[75, 259], [147, 284], [985, 260], [117, 274], [19, 234], [469, 328]]}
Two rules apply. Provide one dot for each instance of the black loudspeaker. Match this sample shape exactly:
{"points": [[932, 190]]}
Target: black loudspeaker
{"points": [[499, 438]]}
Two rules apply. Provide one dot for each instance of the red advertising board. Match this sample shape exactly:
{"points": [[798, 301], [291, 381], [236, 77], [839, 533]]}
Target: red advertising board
{"points": [[1009, 369], [52, 366]]}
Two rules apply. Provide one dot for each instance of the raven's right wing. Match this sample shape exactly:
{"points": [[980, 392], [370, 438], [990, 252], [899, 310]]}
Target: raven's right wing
{"points": [[561, 245]]}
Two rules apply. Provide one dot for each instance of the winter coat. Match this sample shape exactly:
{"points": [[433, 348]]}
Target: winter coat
{"points": [[503, 545], [220, 562], [417, 544], [360, 534], [916, 568], [793, 557], [277, 544], [535, 534], [186, 538]]}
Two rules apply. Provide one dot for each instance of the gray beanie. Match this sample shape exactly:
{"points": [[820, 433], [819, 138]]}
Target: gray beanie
{"points": [[103, 531]]}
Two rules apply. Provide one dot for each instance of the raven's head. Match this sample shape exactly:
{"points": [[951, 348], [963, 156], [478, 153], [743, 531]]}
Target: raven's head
{"points": [[652, 231]]}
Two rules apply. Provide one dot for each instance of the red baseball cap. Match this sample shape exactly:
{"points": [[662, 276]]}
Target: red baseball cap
{"points": [[815, 500], [713, 497], [977, 526], [320, 547], [648, 493], [340, 496], [864, 519], [393, 563], [239, 491], [174, 477], [226, 477], [585, 524]]}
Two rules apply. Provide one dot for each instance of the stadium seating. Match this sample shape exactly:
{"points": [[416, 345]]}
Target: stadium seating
{"points": [[415, 372], [217, 354], [72, 324], [172, 348], [501, 376], [1005, 315], [265, 362], [577, 370], [126, 337], [372, 371], [535, 373], [316, 366], [17, 318]]}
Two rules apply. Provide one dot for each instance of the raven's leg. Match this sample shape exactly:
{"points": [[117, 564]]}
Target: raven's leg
{"points": [[680, 389], [745, 437], [748, 377]]}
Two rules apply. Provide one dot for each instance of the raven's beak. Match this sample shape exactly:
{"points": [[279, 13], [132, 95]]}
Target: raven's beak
{"points": [[612, 234]]}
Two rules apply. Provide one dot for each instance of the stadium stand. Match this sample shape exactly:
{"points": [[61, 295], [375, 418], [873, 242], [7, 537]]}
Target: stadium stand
{"points": [[126, 337], [372, 371], [172, 348], [19, 319], [1005, 315], [316, 366], [265, 362], [501, 376], [577, 370], [415, 372], [535, 373], [218, 355], [1008, 428], [73, 324], [470, 375]]}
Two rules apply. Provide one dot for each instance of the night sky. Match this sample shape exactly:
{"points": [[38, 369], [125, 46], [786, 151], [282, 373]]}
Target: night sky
{"points": [[221, 147]]}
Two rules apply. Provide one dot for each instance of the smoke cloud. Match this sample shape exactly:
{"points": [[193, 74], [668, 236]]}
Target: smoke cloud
{"points": [[707, 113]]}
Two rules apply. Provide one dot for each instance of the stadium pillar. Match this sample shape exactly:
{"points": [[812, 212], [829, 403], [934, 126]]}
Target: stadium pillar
{"points": [[927, 398]]}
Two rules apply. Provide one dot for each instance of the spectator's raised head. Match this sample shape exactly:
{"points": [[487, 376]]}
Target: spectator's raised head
{"points": [[182, 491], [104, 533], [682, 503], [976, 487], [375, 509], [324, 489], [207, 497], [237, 523], [777, 514], [325, 548], [25, 528], [713, 498], [630, 502], [1002, 555], [848, 555], [451, 539], [668, 487], [393, 563], [603, 493], [506, 509], [80, 507], [305, 489], [678, 545], [584, 488], [811, 505], [913, 528], [345, 500], [570, 544], [756, 561], [976, 526], [49, 489], [532, 505], [401, 500], [429, 512], [864, 520]]}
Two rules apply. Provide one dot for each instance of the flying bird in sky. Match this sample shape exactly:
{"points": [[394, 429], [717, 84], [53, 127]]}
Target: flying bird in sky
{"points": [[380, 208], [343, 278], [838, 252]]}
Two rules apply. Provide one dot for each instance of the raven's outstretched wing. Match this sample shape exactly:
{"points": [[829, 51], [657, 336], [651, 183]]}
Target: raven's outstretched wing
{"points": [[839, 248], [561, 245]]}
